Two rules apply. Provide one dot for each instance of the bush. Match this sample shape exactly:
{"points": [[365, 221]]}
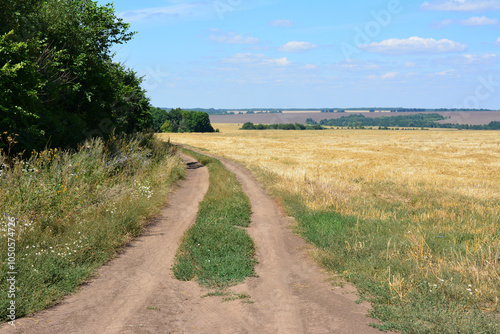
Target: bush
{"points": [[248, 126], [178, 120]]}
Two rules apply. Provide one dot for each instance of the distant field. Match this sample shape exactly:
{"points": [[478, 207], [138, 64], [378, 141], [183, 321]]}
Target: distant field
{"points": [[424, 235], [472, 118], [301, 111]]}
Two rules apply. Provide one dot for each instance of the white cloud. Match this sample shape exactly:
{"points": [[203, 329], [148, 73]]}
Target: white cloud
{"points": [[280, 62], [245, 58], [360, 66], [353, 65], [228, 69], [466, 61], [462, 5], [174, 11], [410, 64], [473, 21], [479, 21], [413, 45], [448, 73], [188, 10], [443, 23], [498, 41], [387, 76], [233, 38], [490, 58], [255, 59], [297, 47], [310, 67], [281, 23], [390, 75]]}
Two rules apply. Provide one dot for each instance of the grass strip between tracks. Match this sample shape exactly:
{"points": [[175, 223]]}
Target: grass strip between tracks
{"points": [[216, 251]]}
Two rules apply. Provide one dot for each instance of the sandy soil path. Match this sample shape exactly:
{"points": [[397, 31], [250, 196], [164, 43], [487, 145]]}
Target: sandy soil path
{"points": [[136, 292]]}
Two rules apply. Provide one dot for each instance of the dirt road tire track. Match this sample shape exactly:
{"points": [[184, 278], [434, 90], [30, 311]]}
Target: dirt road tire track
{"points": [[291, 293], [136, 292]]}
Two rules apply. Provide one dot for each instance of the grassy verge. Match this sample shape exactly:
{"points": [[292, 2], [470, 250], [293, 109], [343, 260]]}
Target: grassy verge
{"points": [[396, 267], [73, 210], [215, 251]]}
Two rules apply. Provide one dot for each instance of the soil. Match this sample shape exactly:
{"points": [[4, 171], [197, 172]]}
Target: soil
{"points": [[137, 293]]}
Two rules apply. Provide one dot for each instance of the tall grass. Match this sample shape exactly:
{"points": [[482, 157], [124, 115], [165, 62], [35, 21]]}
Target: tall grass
{"points": [[412, 218], [73, 210], [417, 282], [215, 251]]}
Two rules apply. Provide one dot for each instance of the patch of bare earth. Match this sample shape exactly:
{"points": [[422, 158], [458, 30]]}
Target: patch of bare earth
{"points": [[137, 293]]}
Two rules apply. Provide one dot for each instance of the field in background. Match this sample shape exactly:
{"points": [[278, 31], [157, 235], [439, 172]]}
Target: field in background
{"points": [[472, 118], [419, 223]]}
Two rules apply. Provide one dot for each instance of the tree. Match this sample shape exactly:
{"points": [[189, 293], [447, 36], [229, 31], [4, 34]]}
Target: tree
{"points": [[183, 126], [58, 81], [182, 120], [201, 122], [248, 126], [175, 115], [158, 118], [19, 84], [168, 126]]}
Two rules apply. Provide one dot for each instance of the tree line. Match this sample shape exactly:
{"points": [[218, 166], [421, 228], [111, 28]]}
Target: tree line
{"points": [[290, 126], [178, 120], [405, 121], [399, 110]]}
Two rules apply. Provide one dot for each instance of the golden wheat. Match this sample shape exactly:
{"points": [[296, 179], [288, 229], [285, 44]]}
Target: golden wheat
{"points": [[440, 182]]}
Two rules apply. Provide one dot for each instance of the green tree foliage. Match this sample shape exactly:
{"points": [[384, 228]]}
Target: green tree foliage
{"points": [[493, 126], [158, 118], [58, 81], [178, 120], [19, 84], [248, 126], [405, 121], [168, 126], [198, 121], [296, 126]]}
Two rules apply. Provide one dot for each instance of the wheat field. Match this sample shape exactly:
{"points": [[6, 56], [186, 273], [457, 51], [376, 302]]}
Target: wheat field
{"points": [[425, 185], [330, 168]]}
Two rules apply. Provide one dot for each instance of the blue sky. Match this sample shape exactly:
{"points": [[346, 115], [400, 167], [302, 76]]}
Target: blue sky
{"points": [[315, 54]]}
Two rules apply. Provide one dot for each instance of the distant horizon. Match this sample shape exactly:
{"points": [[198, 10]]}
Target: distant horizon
{"points": [[335, 108], [293, 53]]}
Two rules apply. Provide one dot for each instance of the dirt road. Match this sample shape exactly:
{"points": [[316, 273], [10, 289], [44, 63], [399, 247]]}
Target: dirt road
{"points": [[136, 292]]}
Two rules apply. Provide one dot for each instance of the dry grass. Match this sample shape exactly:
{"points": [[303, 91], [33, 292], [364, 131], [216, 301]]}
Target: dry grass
{"points": [[73, 210], [330, 168], [442, 188]]}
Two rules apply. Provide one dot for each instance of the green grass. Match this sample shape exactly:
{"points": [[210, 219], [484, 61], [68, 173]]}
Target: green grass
{"points": [[403, 296], [215, 250], [244, 297], [74, 210]]}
